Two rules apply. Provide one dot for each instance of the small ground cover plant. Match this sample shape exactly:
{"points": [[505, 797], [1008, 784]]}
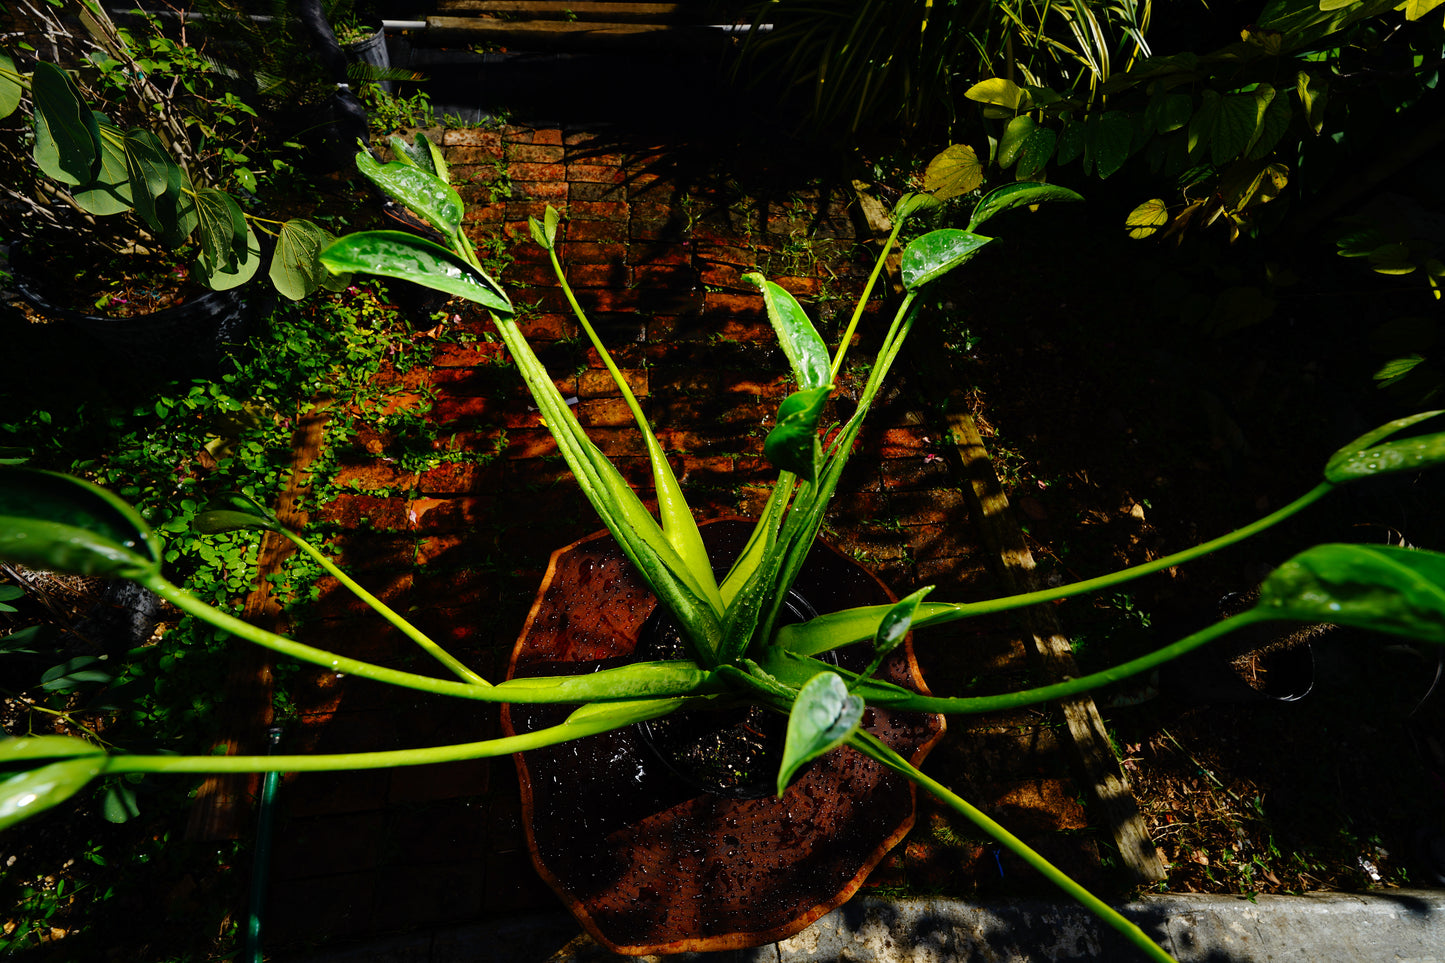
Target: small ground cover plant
{"points": [[739, 650]]}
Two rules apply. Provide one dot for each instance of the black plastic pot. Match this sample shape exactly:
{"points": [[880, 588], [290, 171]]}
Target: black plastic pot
{"points": [[187, 339]]}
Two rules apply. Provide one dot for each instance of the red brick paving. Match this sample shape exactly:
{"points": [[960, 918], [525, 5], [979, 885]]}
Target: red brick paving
{"points": [[460, 546]]}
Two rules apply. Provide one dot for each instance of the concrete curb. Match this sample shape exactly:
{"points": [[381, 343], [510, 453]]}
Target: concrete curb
{"points": [[1400, 925]]}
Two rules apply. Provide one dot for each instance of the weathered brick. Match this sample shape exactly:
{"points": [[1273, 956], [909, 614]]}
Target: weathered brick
{"points": [[473, 137], [578, 209], [539, 192], [590, 252], [351, 511], [598, 383], [592, 192], [534, 154], [594, 173]]}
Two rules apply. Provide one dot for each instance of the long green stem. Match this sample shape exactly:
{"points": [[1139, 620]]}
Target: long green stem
{"points": [[504, 746], [854, 625], [385, 611], [863, 298], [896, 697], [621, 684], [873, 748]]}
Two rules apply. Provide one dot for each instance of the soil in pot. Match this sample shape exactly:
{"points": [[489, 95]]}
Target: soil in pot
{"points": [[650, 864]]}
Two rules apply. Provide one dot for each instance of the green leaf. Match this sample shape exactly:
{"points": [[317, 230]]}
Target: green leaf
{"points": [[11, 88], [913, 202], [793, 443], [956, 170], [550, 220], [296, 268], [424, 194], [216, 522], [74, 673], [1037, 148], [804, 348], [1107, 144], [175, 211], [1013, 138], [1410, 454], [396, 254], [1001, 97], [936, 253], [824, 715], [1378, 588], [110, 191], [247, 264], [151, 173], [66, 142], [120, 805], [222, 229], [894, 627], [1072, 139], [1234, 125], [26, 640], [62, 524], [1009, 196], [422, 154], [72, 765], [1275, 114], [1313, 93]]}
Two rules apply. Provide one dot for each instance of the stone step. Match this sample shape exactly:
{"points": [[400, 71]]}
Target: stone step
{"points": [[565, 35], [603, 11]]}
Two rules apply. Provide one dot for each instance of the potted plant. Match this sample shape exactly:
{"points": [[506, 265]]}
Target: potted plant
{"points": [[740, 649], [100, 199]]}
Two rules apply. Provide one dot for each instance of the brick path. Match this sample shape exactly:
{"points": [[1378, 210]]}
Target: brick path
{"points": [[460, 546]]}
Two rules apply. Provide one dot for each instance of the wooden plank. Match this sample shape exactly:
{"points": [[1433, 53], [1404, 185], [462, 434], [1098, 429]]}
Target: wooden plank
{"points": [[583, 10], [1010, 555], [564, 35]]}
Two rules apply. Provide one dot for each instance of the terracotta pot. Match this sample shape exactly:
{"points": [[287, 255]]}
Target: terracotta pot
{"points": [[649, 864]]}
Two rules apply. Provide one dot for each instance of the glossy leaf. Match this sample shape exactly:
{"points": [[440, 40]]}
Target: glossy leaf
{"points": [[11, 88], [422, 154], [1000, 96], [296, 268], [896, 623], [913, 202], [1035, 152], [936, 253], [793, 443], [65, 138], [1378, 588], [424, 194], [63, 766], [1013, 139], [57, 523], [74, 673], [109, 192], [1107, 141], [1353, 461], [396, 254], [1009, 196], [805, 350], [221, 520], [823, 716], [955, 171]]}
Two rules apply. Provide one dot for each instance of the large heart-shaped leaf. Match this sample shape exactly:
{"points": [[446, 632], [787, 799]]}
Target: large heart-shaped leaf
{"points": [[805, 350], [936, 253], [793, 443], [110, 190], [954, 171], [59, 523], [823, 716], [296, 267], [396, 254], [62, 767], [1009, 196], [66, 141], [420, 192], [1379, 588]]}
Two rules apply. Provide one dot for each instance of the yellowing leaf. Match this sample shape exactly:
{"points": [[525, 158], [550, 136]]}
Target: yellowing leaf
{"points": [[955, 171], [1147, 218], [1267, 40], [1392, 259], [999, 92], [1415, 9]]}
